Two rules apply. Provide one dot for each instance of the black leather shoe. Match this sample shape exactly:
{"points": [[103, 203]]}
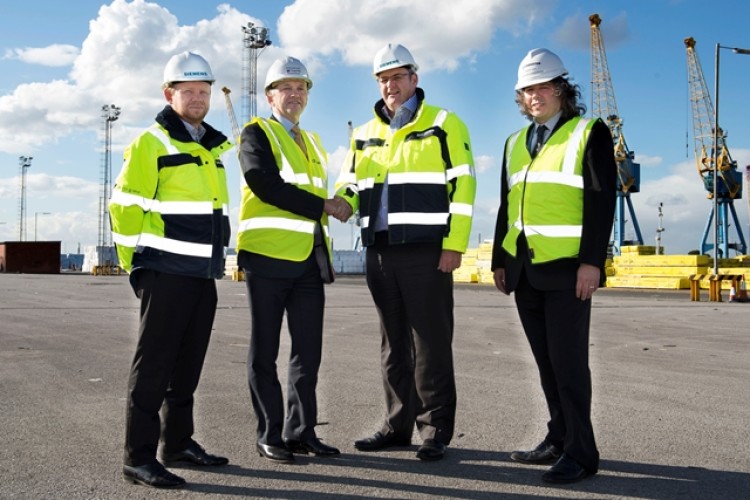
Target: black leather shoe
{"points": [[274, 453], [153, 474], [380, 441], [194, 454], [565, 471], [431, 450], [313, 446], [544, 453]]}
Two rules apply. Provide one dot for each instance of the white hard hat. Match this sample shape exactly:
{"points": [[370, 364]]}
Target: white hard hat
{"points": [[539, 66], [187, 67], [393, 56], [287, 68]]}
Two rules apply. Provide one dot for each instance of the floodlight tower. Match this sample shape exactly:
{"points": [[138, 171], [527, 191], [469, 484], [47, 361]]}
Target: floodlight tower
{"points": [[255, 40], [110, 113], [25, 162]]}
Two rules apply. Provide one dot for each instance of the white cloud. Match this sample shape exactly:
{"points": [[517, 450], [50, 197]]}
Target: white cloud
{"points": [[335, 161], [53, 55], [121, 61], [648, 161], [483, 163], [439, 33]]}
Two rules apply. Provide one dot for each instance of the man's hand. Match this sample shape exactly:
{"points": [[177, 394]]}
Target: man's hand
{"points": [[338, 208], [587, 281], [500, 279], [449, 261]]}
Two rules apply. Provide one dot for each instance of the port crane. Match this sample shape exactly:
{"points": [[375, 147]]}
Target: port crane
{"points": [[729, 179], [628, 171]]}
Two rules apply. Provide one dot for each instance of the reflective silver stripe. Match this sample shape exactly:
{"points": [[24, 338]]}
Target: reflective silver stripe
{"points": [[511, 144], [318, 182], [129, 200], [287, 172], [560, 231], [571, 152], [300, 179], [364, 221], [163, 207], [459, 171], [125, 240], [318, 151], [347, 178], [166, 244], [461, 209], [298, 226], [516, 178], [417, 218], [176, 246], [367, 183], [564, 179], [440, 118], [416, 178], [183, 207], [157, 132]]}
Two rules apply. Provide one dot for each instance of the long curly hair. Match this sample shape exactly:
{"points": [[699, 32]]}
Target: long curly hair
{"points": [[570, 94]]}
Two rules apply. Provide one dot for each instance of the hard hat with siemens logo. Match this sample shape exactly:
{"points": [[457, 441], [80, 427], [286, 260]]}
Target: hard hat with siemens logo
{"points": [[393, 56], [287, 68], [187, 67], [539, 66]]}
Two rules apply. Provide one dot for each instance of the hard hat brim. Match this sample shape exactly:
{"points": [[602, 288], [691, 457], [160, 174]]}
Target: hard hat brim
{"points": [[537, 81]]}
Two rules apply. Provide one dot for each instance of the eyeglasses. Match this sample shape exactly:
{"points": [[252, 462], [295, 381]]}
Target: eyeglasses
{"points": [[397, 78]]}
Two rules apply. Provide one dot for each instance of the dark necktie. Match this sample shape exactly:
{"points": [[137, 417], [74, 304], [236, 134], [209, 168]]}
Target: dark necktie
{"points": [[540, 131], [297, 134]]}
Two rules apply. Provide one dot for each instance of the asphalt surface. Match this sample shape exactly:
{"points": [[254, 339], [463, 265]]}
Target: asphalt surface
{"points": [[671, 389]]}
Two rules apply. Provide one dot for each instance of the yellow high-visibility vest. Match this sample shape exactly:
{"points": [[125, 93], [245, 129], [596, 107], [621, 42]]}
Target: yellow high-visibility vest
{"points": [[545, 196], [268, 230]]}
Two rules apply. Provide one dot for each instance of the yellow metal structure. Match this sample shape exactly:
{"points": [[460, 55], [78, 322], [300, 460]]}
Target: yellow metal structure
{"points": [[605, 107], [703, 130]]}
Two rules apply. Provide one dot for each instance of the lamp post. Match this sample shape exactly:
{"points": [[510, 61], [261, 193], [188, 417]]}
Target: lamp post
{"points": [[715, 174], [36, 218]]}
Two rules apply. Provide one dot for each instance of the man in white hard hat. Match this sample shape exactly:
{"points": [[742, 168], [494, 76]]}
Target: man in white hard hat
{"points": [[551, 238], [170, 225], [410, 173], [285, 251]]}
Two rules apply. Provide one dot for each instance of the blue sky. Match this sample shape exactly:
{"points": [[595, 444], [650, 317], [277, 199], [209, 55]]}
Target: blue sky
{"points": [[61, 62]]}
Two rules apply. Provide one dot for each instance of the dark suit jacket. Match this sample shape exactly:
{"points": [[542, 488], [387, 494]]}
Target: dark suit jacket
{"points": [[263, 176], [599, 195]]}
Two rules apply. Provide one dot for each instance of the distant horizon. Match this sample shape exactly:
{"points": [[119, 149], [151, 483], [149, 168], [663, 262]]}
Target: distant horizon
{"points": [[62, 68]]}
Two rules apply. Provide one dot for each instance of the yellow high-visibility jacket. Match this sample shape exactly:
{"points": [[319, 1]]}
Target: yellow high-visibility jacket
{"points": [[170, 203], [430, 170]]}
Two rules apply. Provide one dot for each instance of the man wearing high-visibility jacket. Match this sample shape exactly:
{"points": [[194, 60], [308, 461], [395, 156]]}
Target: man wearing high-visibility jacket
{"points": [[170, 225], [285, 251], [410, 173], [553, 225]]}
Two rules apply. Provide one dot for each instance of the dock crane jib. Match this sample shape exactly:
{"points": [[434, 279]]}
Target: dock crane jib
{"points": [[728, 178], [605, 106]]}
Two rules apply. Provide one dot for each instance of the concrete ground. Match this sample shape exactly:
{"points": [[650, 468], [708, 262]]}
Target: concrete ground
{"points": [[671, 390]]}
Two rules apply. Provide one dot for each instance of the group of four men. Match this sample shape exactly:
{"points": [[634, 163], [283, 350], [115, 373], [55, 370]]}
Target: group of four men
{"points": [[409, 173]]}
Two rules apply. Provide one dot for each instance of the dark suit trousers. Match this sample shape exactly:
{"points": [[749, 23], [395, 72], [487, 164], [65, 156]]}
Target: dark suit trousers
{"points": [[303, 300], [557, 327], [177, 313], [415, 304]]}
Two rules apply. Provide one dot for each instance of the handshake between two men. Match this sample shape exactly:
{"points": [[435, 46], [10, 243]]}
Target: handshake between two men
{"points": [[338, 208]]}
